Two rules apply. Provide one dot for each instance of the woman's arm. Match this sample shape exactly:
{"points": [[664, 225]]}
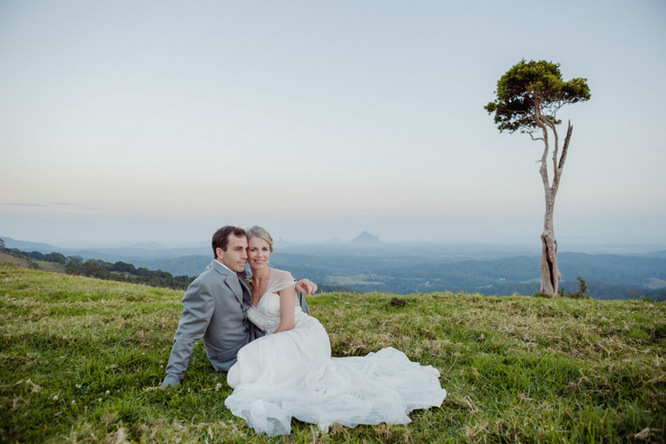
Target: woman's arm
{"points": [[287, 306]]}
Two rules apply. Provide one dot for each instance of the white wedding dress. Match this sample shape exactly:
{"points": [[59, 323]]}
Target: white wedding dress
{"points": [[292, 374]]}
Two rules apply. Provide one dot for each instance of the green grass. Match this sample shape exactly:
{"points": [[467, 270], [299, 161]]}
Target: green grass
{"points": [[81, 361]]}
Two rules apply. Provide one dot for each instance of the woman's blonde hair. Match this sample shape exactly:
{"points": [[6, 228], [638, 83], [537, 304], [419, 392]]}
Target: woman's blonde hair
{"points": [[261, 233]]}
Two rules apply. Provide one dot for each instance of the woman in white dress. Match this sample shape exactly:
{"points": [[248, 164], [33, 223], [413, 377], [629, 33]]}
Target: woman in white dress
{"points": [[290, 372]]}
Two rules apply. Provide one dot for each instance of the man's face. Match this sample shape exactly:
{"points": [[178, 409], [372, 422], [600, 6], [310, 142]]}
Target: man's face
{"points": [[236, 254]]}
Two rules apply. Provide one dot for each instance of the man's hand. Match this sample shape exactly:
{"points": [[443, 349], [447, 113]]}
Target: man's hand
{"points": [[306, 286]]}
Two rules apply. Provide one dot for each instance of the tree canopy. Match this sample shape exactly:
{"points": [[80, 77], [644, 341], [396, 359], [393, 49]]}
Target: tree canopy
{"points": [[531, 93]]}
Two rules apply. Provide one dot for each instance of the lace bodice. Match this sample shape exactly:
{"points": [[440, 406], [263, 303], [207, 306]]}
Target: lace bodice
{"points": [[266, 315]]}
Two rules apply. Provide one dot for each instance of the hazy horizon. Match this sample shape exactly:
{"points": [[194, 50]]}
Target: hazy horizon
{"points": [[125, 122], [508, 245]]}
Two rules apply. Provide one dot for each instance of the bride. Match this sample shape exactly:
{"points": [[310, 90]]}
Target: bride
{"points": [[289, 372]]}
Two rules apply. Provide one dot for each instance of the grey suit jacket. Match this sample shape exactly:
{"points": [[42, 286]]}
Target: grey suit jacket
{"points": [[214, 308]]}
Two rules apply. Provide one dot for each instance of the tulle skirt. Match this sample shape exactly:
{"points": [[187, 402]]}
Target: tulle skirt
{"points": [[292, 375]]}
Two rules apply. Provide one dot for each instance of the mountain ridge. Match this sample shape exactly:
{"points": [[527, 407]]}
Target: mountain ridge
{"points": [[416, 267]]}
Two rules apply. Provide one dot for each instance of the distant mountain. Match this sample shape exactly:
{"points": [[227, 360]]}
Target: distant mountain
{"points": [[661, 254], [28, 246], [367, 239], [367, 264], [148, 246], [141, 250]]}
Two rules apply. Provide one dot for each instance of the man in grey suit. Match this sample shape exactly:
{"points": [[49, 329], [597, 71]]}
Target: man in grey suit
{"points": [[214, 308]]}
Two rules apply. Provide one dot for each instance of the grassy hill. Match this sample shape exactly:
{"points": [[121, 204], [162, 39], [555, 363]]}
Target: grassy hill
{"points": [[82, 359], [30, 263], [120, 271]]}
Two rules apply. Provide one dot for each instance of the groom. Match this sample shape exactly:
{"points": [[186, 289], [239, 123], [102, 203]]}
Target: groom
{"points": [[214, 308]]}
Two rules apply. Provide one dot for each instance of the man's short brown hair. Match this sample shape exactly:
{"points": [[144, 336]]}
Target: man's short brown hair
{"points": [[221, 237]]}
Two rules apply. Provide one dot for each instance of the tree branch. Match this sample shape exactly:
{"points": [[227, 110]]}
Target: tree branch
{"points": [[565, 148], [544, 158], [556, 148], [531, 133]]}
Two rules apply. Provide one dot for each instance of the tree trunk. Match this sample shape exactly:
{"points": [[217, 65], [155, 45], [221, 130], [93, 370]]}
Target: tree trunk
{"points": [[550, 272]]}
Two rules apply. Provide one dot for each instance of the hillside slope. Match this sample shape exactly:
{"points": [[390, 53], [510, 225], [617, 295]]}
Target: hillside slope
{"points": [[82, 359], [31, 263]]}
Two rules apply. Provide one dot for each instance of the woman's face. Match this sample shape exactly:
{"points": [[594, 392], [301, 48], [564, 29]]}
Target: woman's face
{"points": [[258, 252]]}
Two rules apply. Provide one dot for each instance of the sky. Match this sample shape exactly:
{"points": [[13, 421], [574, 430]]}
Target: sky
{"points": [[160, 121]]}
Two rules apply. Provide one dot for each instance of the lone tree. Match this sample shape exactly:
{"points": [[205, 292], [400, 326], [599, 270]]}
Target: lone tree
{"points": [[528, 98]]}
